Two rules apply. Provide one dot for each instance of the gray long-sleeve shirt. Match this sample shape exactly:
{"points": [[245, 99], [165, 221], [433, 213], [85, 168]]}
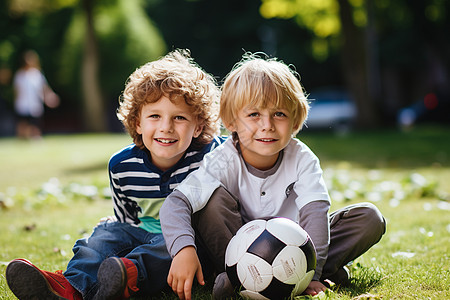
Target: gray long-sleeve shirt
{"points": [[293, 188], [178, 233]]}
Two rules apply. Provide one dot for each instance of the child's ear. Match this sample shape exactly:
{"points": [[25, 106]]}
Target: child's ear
{"points": [[296, 126], [138, 127], [198, 130]]}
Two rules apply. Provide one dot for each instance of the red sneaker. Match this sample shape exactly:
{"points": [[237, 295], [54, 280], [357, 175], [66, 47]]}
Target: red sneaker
{"points": [[27, 281], [117, 279]]}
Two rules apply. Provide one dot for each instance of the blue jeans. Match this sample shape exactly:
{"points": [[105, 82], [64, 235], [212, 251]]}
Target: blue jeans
{"points": [[146, 250]]}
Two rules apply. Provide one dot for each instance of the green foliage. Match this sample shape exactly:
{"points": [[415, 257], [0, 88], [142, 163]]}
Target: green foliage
{"points": [[127, 39], [133, 36], [319, 17]]}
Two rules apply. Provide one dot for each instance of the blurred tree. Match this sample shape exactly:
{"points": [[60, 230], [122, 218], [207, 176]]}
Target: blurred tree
{"points": [[124, 37], [94, 45], [338, 24], [218, 32], [391, 51], [94, 108]]}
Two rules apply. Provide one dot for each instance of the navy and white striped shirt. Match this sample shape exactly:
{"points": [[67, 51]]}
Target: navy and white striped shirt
{"points": [[139, 188]]}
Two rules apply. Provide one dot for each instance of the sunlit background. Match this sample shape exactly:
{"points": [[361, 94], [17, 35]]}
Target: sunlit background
{"points": [[376, 71], [365, 64]]}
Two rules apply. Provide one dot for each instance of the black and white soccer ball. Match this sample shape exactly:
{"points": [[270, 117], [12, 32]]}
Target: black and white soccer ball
{"points": [[270, 259]]}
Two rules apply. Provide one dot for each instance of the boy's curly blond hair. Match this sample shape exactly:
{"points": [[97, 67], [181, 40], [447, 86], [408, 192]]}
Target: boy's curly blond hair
{"points": [[174, 75]]}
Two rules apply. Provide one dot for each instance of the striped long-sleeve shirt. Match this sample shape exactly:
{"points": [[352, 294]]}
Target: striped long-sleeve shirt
{"points": [[139, 188]]}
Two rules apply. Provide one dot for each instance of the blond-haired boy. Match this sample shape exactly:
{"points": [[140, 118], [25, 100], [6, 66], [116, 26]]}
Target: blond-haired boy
{"points": [[262, 171]]}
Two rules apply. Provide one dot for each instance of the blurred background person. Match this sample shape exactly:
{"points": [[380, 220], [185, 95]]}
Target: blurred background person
{"points": [[31, 93]]}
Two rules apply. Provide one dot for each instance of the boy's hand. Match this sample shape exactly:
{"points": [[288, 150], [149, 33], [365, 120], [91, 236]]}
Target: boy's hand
{"points": [[107, 219], [185, 265], [314, 288]]}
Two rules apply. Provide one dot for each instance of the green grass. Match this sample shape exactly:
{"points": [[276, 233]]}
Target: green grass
{"points": [[52, 193]]}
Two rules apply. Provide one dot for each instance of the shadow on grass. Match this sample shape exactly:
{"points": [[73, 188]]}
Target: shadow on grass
{"points": [[361, 284]]}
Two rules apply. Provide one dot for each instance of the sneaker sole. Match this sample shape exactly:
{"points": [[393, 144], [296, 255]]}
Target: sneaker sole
{"points": [[27, 282], [112, 279]]}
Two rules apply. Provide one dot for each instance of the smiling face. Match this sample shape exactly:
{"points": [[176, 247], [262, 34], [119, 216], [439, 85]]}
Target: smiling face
{"points": [[263, 133], [167, 129]]}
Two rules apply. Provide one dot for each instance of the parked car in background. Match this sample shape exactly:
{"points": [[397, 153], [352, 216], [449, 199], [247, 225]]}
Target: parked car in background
{"points": [[433, 107], [331, 109]]}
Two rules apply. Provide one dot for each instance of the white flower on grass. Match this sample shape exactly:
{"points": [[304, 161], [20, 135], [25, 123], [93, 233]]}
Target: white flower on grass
{"points": [[84, 190], [328, 174], [343, 177], [394, 202], [403, 254], [349, 194], [11, 191], [106, 192], [374, 196], [66, 237], [444, 205], [418, 179], [425, 232], [89, 191], [355, 185], [444, 196], [395, 236], [388, 186], [427, 206], [399, 194], [52, 187], [336, 196], [374, 175], [6, 201]]}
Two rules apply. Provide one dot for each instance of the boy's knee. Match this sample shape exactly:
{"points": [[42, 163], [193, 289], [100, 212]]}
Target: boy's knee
{"points": [[373, 218]]}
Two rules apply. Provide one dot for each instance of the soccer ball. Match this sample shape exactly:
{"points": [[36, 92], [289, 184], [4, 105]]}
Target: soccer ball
{"points": [[270, 259]]}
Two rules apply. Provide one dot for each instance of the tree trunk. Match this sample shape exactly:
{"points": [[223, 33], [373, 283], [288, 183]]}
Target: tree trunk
{"points": [[94, 108], [356, 67]]}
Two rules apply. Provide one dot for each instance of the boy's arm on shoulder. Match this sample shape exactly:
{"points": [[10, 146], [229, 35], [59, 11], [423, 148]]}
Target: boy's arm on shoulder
{"points": [[175, 217], [313, 218]]}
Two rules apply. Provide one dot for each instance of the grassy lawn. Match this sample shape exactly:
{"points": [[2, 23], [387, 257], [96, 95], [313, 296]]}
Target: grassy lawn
{"points": [[53, 191]]}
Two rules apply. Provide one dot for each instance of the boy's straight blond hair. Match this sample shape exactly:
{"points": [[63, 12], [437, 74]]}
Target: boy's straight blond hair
{"points": [[258, 81]]}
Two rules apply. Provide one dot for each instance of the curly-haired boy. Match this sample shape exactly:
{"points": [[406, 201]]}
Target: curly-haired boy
{"points": [[170, 109]]}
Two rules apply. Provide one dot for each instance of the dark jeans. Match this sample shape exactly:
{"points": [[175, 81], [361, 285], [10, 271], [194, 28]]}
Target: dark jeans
{"points": [[353, 230], [146, 250]]}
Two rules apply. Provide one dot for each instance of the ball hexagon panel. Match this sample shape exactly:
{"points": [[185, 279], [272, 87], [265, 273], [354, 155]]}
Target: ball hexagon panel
{"points": [[254, 273], [290, 265], [287, 231]]}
